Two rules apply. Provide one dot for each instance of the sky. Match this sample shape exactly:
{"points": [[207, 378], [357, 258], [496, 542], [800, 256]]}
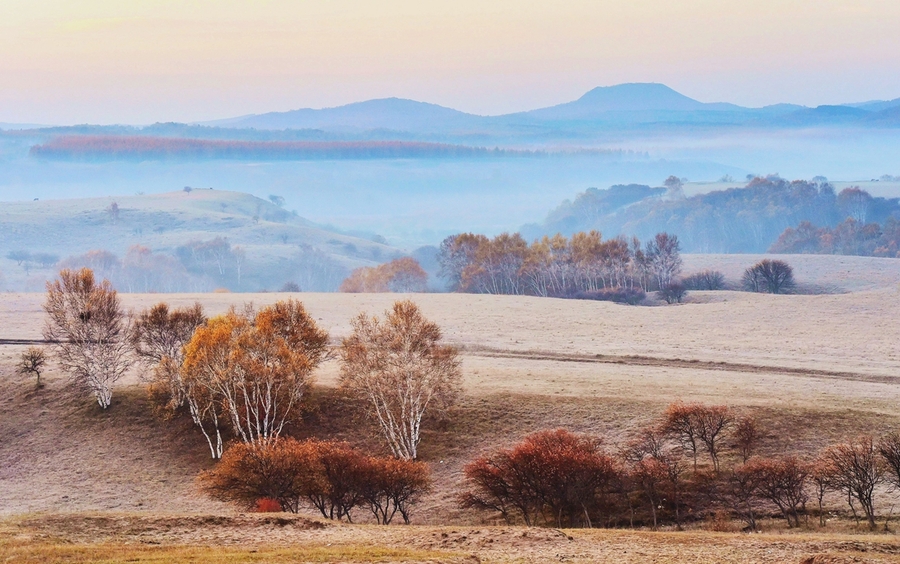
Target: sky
{"points": [[143, 61]]}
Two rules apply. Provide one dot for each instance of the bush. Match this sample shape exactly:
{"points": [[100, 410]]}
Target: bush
{"points": [[630, 296], [552, 477], [332, 477], [673, 293], [704, 280]]}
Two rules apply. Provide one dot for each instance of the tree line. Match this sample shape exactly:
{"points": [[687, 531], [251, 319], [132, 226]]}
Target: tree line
{"points": [[558, 266]]}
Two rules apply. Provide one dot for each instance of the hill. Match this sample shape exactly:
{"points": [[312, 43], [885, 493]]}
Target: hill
{"points": [[200, 238]]}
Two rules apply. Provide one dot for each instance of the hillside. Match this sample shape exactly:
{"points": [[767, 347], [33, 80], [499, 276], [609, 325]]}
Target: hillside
{"points": [[260, 245]]}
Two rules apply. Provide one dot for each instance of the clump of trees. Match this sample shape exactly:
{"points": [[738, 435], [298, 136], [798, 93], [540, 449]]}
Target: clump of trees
{"points": [[88, 331], [330, 477], [769, 276], [557, 266], [401, 370], [399, 275], [704, 280]]}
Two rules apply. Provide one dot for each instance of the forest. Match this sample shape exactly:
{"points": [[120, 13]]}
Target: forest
{"points": [[737, 220]]}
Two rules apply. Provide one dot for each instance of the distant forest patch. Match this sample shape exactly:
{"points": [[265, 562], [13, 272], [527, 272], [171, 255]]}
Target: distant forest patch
{"points": [[114, 147]]}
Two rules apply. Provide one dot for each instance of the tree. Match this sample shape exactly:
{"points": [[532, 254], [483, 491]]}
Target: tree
{"points": [[255, 367], [400, 368], [158, 337], [711, 423], [663, 255], [705, 280], [772, 276], [783, 482], [400, 275], [392, 486], [682, 422], [556, 476], [32, 361], [889, 448], [277, 200], [746, 437], [89, 331], [821, 476], [857, 471]]}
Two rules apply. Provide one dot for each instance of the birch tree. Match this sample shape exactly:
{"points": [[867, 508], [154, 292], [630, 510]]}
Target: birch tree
{"points": [[88, 330], [400, 368]]}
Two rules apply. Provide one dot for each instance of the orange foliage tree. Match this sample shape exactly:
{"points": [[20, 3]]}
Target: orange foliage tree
{"points": [[253, 368], [400, 275], [332, 477], [555, 475]]}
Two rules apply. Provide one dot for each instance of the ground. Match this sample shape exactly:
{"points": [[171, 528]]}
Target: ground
{"points": [[814, 369]]}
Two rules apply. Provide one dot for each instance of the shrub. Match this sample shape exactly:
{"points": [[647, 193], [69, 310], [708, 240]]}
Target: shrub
{"points": [[552, 477], [332, 477], [619, 295], [704, 280], [673, 293]]}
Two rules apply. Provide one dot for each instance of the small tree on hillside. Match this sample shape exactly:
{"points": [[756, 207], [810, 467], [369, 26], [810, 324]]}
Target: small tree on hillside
{"points": [[857, 470], [32, 362], [772, 276], [89, 331], [400, 368]]}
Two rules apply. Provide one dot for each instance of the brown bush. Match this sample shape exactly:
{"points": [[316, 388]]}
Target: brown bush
{"points": [[552, 477]]}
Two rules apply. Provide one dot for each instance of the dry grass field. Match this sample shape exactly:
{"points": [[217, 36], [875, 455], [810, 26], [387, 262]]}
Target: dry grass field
{"points": [[77, 484]]}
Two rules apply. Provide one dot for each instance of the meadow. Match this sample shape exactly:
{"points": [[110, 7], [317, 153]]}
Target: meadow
{"points": [[78, 484]]}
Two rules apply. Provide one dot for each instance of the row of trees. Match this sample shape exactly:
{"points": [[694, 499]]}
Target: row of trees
{"points": [[557, 266], [851, 237], [557, 478], [244, 374]]}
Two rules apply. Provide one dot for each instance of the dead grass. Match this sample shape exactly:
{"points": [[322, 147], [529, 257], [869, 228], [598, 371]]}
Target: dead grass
{"points": [[115, 537]]}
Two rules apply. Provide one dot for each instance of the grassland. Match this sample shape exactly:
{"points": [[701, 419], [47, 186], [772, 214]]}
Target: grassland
{"points": [[77, 483]]}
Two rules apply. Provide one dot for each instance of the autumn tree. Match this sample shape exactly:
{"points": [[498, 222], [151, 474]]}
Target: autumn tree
{"points": [[400, 368], [653, 456], [553, 475], [889, 448], [746, 437], [712, 422], [88, 330], [783, 482], [682, 422], [821, 476], [400, 275], [393, 486], [771, 276], [857, 470], [253, 367], [31, 363]]}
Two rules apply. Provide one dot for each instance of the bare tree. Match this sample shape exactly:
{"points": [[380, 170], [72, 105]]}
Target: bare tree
{"points": [[664, 255], [89, 331], [399, 366], [889, 448], [858, 470], [158, 339], [32, 361], [746, 436], [713, 420], [772, 276]]}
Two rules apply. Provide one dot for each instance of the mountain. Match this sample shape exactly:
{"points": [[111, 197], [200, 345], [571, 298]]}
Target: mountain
{"points": [[876, 105], [388, 113], [634, 97]]}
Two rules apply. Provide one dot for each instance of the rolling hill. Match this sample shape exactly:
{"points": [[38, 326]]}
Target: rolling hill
{"points": [[268, 245]]}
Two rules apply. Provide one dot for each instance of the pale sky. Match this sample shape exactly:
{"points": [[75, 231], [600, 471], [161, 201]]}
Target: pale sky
{"points": [[141, 61]]}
